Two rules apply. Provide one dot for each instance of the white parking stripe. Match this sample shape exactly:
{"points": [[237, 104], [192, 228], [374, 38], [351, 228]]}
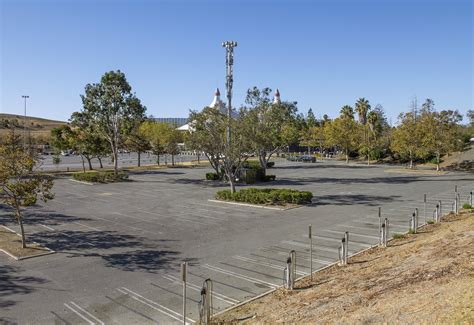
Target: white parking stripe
{"points": [[47, 227], [273, 266], [86, 312], [316, 236], [315, 247], [169, 312], [352, 233], [79, 314], [219, 296], [86, 226], [240, 276]]}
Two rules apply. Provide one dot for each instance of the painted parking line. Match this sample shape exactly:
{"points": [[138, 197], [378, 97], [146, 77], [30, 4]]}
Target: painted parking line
{"points": [[86, 226], [317, 260], [317, 236], [154, 305], [83, 314], [284, 252], [240, 276], [270, 265], [352, 234], [219, 296], [47, 227], [63, 233], [318, 247]]}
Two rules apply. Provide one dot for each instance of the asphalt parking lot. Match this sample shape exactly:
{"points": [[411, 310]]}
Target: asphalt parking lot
{"points": [[119, 246]]}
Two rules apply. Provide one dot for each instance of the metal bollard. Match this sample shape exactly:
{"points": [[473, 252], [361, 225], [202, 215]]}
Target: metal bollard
{"points": [[184, 271], [436, 213], [380, 225], [412, 224], [386, 232], [458, 197], [310, 234], [456, 205], [290, 272], [346, 250], [382, 236], [342, 252], [440, 208], [424, 204], [470, 199], [205, 305], [416, 218]]}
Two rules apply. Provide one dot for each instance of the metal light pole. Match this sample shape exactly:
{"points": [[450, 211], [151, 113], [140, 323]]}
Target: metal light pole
{"points": [[24, 122], [229, 61]]}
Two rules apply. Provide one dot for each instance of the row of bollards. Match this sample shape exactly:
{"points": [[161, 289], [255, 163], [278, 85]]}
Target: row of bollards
{"points": [[289, 278]]}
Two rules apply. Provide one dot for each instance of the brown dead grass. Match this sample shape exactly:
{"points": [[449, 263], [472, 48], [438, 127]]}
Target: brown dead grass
{"points": [[11, 243], [427, 278]]}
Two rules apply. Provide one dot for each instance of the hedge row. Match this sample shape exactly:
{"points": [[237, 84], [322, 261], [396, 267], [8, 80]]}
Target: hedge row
{"points": [[100, 177], [266, 196], [212, 176]]}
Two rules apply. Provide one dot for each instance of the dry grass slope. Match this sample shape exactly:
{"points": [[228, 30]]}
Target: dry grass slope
{"points": [[426, 278]]}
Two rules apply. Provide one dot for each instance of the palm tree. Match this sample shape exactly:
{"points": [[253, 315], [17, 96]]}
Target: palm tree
{"points": [[362, 107], [347, 111], [372, 119]]}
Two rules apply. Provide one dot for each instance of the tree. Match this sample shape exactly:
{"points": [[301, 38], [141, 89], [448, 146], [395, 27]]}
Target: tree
{"points": [[343, 132], [347, 111], [310, 119], [209, 134], [314, 137], [137, 141], [20, 184], [406, 138], [156, 134], [362, 108], [113, 108], [440, 132], [269, 126]]}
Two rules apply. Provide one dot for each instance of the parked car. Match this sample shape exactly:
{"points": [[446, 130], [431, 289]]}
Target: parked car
{"points": [[307, 158]]}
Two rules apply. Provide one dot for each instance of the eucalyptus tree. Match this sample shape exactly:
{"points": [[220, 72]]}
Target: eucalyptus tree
{"points": [[209, 134], [270, 126], [113, 108], [21, 185]]}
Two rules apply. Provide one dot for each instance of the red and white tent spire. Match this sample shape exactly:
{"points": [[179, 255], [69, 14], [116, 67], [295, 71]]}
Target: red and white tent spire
{"points": [[217, 102], [276, 98]]}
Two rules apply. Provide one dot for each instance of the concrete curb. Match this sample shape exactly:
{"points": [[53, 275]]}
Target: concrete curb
{"points": [[81, 182], [256, 205]]}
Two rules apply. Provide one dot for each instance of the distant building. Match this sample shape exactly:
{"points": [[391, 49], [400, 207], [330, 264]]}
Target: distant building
{"points": [[175, 121]]}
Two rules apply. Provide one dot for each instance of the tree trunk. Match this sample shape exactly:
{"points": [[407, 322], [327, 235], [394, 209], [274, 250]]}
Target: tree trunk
{"points": [[89, 161], [22, 230], [139, 156], [158, 159], [115, 153], [437, 162], [262, 157], [347, 157], [172, 160], [83, 164], [321, 152], [368, 160], [232, 184], [100, 162], [198, 158]]}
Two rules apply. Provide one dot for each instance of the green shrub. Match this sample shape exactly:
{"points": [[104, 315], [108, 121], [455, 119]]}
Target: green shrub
{"points": [[430, 222], [398, 236], [266, 196], [212, 176], [466, 206], [100, 177], [270, 164], [411, 231], [56, 160]]}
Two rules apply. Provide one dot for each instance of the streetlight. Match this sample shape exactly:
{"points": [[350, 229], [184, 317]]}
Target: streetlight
{"points": [[24, 124], [229, 61]]}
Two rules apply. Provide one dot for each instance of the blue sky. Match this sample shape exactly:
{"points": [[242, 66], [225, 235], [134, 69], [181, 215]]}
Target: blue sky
{"points": [[322, 54]]}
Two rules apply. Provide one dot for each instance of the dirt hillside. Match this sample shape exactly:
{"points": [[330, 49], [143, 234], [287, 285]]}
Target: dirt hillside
{"points": [[427, 278]]}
